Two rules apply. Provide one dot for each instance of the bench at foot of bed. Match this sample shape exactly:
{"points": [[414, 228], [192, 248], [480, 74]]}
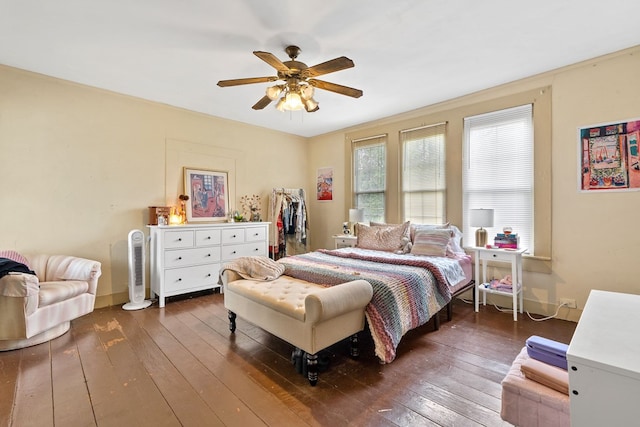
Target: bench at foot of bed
{"points": [[308, 316]]}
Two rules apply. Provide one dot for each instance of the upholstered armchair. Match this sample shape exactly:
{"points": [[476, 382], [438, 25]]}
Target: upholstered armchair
{"points": [[37, 308]]}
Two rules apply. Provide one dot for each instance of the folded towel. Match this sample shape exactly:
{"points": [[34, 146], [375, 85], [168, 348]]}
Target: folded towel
{"points": [[547, 375], [255, 267]]}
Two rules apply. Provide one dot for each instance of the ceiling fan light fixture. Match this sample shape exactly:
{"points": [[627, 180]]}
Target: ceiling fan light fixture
{"points": [[274, 92], [292, 102], [311, 105], [306, 92]]}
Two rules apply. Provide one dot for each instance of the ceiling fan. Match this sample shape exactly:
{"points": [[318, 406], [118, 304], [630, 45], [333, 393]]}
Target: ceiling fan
{"points": [[297, 90]]}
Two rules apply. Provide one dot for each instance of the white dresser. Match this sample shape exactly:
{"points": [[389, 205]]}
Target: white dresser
{"points": [[187, 258], [604, 361]]}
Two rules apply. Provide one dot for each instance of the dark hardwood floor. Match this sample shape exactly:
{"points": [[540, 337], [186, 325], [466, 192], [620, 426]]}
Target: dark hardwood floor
{"points": [[181, 366]]}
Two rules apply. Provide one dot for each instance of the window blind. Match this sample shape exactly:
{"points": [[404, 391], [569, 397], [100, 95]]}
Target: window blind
{"points": [[370, 176], [423, 174], [498, 172]]}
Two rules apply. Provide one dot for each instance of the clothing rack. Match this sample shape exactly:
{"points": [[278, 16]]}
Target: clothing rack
{"points": [[288, 214]]}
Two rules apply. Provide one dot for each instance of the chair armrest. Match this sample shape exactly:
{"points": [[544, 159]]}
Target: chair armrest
{"points": [[20, 285], [64, 267], [336, 300]]}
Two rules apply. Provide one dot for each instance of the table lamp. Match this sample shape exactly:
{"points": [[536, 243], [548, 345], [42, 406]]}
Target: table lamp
{"points": [[355, 216], [481, 218]]}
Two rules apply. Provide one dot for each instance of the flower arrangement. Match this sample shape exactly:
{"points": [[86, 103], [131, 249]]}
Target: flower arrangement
{"points": [[251, 207]]}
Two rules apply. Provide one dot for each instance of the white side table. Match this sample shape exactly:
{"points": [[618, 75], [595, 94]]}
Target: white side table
{"points": [[512, 256], [345, 241]]}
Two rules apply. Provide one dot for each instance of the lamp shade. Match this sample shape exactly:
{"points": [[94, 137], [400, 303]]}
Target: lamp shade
{"points": [[481, 217], [356, 215]]}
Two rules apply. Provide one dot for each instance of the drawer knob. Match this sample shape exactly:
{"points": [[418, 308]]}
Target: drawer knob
{"points": [[208, 237], [179, 258], [179, 239], [234, 236], [233, 252], [179, 279], [256, 234], [494, 255], [209, 275], [208, 254], [256, 249]]}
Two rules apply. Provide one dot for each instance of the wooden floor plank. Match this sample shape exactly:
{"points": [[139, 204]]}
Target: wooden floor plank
{"points": [[9, 371], [34, 403], [71, 399], [180, 365]]}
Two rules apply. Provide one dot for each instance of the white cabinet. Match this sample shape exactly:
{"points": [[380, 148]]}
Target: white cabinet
{"points": [[187, 258], [604, 361], [511, 256]]}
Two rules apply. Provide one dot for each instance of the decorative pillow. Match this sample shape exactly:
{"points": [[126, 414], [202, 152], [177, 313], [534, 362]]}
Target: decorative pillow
{"points": [[387, 238], [406, 239], [455, 245], [14, 256], [431, 242]]}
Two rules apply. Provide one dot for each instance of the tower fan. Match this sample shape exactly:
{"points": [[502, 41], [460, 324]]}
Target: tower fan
{"points": [[136, 272]]}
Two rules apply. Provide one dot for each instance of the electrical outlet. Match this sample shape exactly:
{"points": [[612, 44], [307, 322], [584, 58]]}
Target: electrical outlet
{"points": [[568, 302]]}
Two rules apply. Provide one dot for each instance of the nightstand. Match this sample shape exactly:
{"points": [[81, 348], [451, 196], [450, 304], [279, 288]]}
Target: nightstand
{"points": [[345, 241], [511, 256]]}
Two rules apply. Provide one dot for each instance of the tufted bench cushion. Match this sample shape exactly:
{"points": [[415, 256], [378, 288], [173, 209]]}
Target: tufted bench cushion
{"points": [[285, 295]]}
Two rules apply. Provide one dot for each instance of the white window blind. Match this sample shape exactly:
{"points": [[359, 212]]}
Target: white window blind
{"points": [[423, 174], [498, 172], [370, 176]]}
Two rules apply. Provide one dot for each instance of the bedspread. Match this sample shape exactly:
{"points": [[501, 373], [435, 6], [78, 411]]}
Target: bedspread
{"points": [[407, 290]]}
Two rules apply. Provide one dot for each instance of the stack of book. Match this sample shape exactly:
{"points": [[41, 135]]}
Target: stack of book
{"points": [[506, 241]]}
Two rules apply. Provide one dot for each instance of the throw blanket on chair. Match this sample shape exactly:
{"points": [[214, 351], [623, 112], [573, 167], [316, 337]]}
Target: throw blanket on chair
{"points": [[254, 267], [407, 290]]}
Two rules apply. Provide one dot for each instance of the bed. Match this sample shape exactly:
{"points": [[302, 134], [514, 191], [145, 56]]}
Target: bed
{"points": [[415, 271]]}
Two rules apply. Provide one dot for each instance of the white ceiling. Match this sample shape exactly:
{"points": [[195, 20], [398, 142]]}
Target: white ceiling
{"points": [[408, 53]]}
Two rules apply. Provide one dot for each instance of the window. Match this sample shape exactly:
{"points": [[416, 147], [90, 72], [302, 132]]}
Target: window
{"points": [[369, 176], [498, 172], [423, 174]]}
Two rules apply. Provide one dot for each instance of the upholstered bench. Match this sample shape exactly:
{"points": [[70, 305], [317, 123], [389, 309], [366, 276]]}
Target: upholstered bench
{"points": [[308, 316], [528, 403]]}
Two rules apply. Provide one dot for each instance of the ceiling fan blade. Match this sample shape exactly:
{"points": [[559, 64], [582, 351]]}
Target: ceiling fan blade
{"points": [[333, 87], [247, 81], [264, 101], [331, 66], [272, 60]]}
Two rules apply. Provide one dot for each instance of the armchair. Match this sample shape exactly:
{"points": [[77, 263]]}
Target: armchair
{"points": [[35, 309]]}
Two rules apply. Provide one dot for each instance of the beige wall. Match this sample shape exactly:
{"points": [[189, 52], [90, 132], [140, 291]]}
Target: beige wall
{"points": [[80, 166], [594, 244]]}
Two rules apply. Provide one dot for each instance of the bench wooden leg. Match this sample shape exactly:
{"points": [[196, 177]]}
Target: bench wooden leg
{"points": [[312, 368], [232, 321], [436, 321], [355, 348]]}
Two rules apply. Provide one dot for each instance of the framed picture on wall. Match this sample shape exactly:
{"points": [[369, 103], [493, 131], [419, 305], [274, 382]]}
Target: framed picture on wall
{"points": [[208, 193], [609, 158]]}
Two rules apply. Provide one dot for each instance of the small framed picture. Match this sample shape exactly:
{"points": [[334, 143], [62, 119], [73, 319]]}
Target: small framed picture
{"points": [[208, 193]]}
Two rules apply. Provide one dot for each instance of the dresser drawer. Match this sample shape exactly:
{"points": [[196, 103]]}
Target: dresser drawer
{"points": [[207, 237], [232, 235], [185, 257], [178, 239], [179, 280], [248, 249], [255, 234]]}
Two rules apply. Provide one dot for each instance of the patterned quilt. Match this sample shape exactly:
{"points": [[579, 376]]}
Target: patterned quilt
{"points": [[407, 290]]}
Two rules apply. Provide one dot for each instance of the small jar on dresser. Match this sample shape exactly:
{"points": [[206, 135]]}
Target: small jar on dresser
{"points": [[187, 258]]}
